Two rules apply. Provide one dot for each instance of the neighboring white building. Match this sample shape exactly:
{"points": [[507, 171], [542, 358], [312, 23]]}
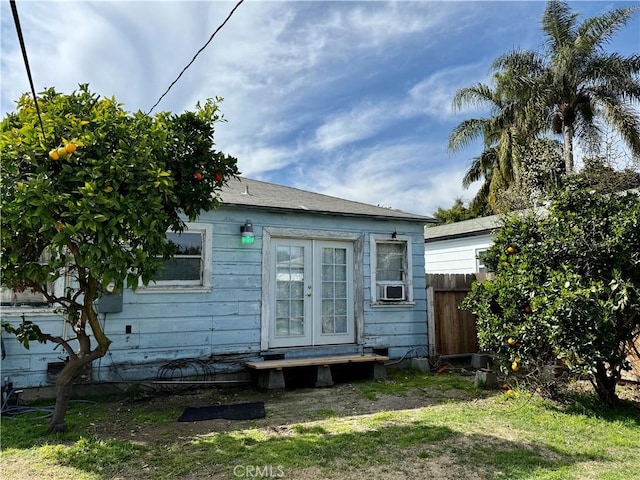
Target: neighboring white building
{"points": [[455, 247]]}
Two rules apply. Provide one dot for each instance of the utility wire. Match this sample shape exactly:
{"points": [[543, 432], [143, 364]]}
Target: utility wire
{"points": [[16, 20], [197, 53]]}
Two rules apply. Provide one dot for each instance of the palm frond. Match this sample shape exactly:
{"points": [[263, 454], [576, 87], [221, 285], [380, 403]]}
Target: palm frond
{"points": [[481, 166], [624, 119], [558, 24], [466, 132], [520, 62], [475, 95], [597, 31], [616, 73], [480, 202]]}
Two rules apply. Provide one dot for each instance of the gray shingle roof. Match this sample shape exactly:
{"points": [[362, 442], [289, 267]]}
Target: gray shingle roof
{"points": [[254, 193], [467, 228]]}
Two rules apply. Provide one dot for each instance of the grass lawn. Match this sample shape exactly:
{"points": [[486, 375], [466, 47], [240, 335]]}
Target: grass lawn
{"points": [[411, 425]]}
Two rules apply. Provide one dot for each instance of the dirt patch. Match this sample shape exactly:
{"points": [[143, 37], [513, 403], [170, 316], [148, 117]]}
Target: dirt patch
{"points": [[282, 408]]}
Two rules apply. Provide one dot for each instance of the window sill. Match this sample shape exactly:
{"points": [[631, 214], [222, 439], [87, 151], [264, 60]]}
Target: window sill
{"points": [[174, 289], [8, 311], [392, 304]]}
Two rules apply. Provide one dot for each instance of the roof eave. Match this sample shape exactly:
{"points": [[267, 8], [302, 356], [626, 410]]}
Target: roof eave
{"points": [[416, 219]]}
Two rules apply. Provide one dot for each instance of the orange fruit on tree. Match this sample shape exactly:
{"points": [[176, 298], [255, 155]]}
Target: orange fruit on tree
{"points": [[70, 148], [197, 176], [53, 155], [62, 152], [511, 341], [511, 250], [515, 367]]}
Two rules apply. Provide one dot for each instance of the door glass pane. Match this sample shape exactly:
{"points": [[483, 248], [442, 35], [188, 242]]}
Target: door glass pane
{"points": [[340, 324], [327, 324], [282, 289], [327, 256], [334, 290], [297, 289], [296, 326], [328, 289], [282, 309], [327, 272], [289, 291]]}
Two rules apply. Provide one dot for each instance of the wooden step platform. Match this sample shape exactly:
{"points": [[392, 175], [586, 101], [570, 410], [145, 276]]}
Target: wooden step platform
{"points": [[271, 374]]}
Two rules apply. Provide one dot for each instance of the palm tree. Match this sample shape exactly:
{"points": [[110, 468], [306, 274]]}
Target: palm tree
{"points": [[498, 164], [574, 82]]}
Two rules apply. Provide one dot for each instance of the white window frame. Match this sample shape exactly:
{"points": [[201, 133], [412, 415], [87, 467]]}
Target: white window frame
{"points": [[33, 301], [191, 286], [376, 239], [480, 266]]}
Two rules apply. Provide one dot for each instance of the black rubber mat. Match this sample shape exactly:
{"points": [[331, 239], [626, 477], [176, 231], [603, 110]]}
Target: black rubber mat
{"points": [[238, 411]]}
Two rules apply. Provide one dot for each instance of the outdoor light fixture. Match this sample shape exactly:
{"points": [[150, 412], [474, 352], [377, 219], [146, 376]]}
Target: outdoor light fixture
{"points": [[246, 232]]}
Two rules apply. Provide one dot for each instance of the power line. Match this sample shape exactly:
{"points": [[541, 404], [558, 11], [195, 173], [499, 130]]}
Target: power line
{"points": [[16, 20], [197, 53]]}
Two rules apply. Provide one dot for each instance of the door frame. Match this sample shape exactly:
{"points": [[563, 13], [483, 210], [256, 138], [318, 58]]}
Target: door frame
{"points": [[268, 263]]}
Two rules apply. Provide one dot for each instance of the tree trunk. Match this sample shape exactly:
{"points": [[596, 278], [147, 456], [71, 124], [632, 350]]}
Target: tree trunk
{"points": [[77, 362], [605, 386], [64, 384], [567, 133]]}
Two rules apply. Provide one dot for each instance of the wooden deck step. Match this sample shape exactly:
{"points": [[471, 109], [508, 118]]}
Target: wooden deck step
{"points": [[312, 361], [272, 376]]}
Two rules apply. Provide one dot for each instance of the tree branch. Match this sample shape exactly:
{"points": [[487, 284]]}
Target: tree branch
{"points": [[60, 341]]}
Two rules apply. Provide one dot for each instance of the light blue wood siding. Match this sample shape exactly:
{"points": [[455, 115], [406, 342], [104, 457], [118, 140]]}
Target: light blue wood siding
{"points": [[223, 324]]}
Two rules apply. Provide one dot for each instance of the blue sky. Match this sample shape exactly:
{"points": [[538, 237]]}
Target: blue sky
{"points": [[350, 99]]}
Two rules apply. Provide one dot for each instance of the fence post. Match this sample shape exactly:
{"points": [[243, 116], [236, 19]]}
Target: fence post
{"points": [[431, 322]]}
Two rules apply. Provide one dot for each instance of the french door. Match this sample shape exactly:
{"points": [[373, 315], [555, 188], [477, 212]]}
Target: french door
{"points": [[312, 292]]}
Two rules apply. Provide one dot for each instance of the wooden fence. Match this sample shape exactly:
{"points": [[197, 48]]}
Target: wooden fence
{"points": [[634, 360], [451, 331]]}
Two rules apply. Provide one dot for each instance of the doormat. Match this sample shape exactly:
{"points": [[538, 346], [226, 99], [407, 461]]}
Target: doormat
{"points": [[238, 411]]}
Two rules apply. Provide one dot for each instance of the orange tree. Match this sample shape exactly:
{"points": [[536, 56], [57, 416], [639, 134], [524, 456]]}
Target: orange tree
{"points": [[566, 288], [97, 195]]}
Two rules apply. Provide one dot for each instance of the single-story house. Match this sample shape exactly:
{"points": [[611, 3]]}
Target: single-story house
{"points": [[275, 272], [455, 247]]}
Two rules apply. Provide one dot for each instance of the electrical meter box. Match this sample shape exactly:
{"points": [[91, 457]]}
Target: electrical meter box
{"points": [[111, 302]]}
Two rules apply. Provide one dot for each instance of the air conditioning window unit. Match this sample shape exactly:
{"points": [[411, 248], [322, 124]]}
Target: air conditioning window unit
{"points": [[393, 293]]}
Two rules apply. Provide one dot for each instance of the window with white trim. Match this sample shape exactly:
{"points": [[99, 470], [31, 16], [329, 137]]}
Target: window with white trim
{"points": [[30, 298], [190, 266], [480, 266], [391, 269]]}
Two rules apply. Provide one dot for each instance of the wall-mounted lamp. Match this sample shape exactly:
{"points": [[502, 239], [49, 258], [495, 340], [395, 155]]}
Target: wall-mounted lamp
{"points": [[246, 232], [394, 235]]}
